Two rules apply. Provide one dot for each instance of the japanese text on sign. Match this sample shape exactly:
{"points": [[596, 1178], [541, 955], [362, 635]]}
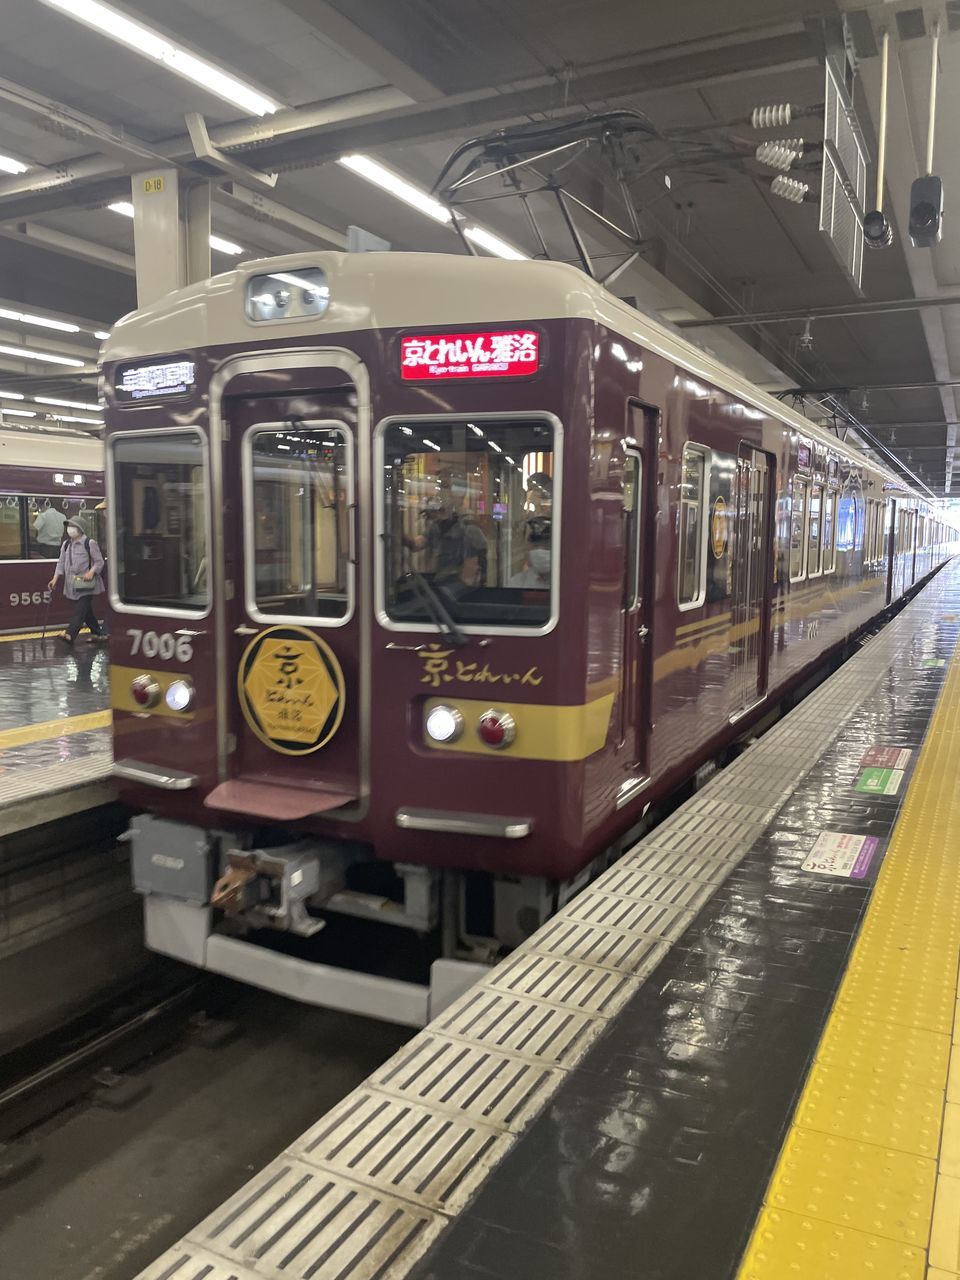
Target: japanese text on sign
{"points": [[138, 382], [470, 355]]}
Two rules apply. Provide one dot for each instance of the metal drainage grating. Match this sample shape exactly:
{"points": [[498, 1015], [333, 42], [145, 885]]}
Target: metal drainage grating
{"points": [[629, 916], [569, 983], [520, 1026], [434, 1159], [452, 1076], [577, 940], [298, 1222]]}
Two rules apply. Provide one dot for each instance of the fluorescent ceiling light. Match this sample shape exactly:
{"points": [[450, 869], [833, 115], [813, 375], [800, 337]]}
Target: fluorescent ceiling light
{"points": [[216, 242], [12, 395], [225, 246], [422, 201], [389, 181], [87, 422], [493, 244], [66, 404], [9, 165], [24, 317], [24, 353], [19, 413], [102, 334], [151, 44]]}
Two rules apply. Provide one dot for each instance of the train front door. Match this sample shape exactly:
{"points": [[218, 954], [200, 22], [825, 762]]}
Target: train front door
{"points": [[293, 630], [752, 575]]}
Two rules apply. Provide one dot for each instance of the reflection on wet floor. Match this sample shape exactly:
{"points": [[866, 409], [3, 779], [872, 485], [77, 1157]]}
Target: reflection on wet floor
{"points": [[41, 683]]}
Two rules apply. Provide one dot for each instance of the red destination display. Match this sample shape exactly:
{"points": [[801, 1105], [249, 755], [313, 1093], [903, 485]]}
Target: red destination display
{"points": [[434, 357]]}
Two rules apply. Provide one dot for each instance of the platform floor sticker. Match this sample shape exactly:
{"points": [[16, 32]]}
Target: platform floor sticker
{"points": [[927, 663], [879, 782], [837, 853], [886, 758]]}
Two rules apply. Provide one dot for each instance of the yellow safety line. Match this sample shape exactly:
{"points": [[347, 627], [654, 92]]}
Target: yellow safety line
{"points": [[28, 733], [33, 635], [868, 1179]]}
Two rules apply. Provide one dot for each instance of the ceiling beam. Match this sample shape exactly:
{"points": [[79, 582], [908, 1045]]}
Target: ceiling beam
{"points": [[260, 207], [331, 24], [696, 65]]}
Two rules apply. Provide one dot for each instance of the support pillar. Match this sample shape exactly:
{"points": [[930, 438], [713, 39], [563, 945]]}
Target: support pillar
{"points": [[171, 232]]}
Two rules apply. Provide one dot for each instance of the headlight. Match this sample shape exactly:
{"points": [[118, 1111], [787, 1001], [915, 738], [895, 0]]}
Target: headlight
{"points": [[145, 691], [180, 695], [444, 724]]}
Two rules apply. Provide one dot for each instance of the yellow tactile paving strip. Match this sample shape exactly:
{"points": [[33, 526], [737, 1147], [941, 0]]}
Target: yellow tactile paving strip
{"points": [[868, 1181], [25, 734]]}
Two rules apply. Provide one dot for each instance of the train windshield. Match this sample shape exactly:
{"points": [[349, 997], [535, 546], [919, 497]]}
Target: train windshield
{"points": [[470, 521], [160, 494]]}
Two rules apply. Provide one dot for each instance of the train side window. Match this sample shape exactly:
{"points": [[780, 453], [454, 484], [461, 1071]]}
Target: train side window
{"points": [[159, 511], [691, 585], [11, 527], [829, 531], [297, 488], [632, 473], [815, 533], [798, 519], [869, 543]]}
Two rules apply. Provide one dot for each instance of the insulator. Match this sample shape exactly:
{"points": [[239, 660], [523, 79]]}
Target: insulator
{"points": [[780, 153], [775, 117], [789, 188]]}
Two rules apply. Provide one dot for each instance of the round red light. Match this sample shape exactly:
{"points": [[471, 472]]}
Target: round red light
{"points": [[145, 691], [496, 728]]}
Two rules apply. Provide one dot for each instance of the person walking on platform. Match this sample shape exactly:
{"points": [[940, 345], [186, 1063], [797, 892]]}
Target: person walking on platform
{"points": [[81, 566]]}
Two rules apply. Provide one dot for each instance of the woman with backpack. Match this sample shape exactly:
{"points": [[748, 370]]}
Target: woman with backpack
{"points": [[80, 566]]}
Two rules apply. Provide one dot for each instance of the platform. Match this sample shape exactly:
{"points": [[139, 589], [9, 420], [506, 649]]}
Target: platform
{"points": [[731, 1055], [55, 747]]}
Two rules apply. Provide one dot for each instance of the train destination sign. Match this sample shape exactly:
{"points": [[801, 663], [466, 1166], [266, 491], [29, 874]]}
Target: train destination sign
{"points": [[291, 690], [155, 381], [440, 357]]}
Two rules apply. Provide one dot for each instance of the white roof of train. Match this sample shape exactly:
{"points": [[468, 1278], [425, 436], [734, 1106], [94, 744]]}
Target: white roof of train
{"points": [[417, 290], [50, 450]]}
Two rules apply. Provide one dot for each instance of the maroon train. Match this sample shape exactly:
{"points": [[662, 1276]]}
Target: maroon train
{"points": [[429, 575], [58, 474]]}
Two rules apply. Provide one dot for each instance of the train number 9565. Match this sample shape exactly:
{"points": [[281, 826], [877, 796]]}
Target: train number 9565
{"points": [[163, 645], [29, 597]]}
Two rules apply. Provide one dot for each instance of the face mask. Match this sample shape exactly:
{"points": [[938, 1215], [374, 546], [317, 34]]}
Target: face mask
{"points": [[539, 560], [74, 533]]}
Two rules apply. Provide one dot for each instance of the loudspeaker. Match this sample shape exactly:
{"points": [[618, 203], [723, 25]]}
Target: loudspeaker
{"points": [[926, 212]]}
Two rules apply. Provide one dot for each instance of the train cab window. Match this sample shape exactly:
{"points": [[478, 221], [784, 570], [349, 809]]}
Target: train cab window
{"points": [[470, 522], [798, 511], [691, 588], [815, 533], [829, 531], [11, 527], [160, 532], [298, 496]]}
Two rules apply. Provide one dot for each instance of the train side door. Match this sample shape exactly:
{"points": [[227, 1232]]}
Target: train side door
{"points": [[752, 577], [639, 473], [293, 630], [891, 549]]}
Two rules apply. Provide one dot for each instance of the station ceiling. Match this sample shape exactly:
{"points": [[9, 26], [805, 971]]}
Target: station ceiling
{"points": [[406, 81]]}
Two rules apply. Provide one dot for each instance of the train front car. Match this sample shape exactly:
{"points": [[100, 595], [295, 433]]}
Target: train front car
{"points": [[339, 488]]}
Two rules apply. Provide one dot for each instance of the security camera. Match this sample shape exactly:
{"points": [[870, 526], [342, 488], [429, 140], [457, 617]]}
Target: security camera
{"points": [[926, 212]]}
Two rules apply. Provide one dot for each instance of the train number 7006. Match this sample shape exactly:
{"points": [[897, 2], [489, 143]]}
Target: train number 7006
{"points": [[164, 645]]}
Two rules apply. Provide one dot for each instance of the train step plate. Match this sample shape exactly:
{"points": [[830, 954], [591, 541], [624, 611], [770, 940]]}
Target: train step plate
{"points": [[279, 804]]}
